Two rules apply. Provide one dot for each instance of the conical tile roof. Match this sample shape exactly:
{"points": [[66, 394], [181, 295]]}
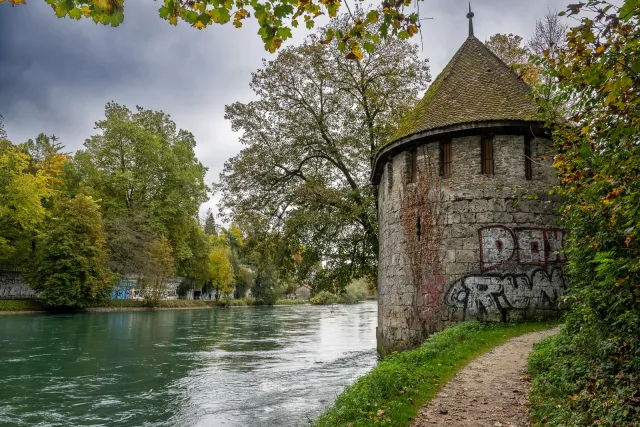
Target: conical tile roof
{"points": [[476, 86]]}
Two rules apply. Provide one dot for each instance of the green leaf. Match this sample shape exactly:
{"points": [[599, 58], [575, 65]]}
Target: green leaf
{"points": [[310, 24], [164, 12], [283, 10], [369, 47], [75, 13], [191, 17], [284, 33], [373, 16], [220, 15]]}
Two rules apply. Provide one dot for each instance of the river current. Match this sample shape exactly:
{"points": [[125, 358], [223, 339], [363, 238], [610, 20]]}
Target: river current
{"points": [[244, 366]]}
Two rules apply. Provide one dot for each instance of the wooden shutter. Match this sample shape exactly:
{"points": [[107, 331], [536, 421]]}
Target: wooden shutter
{"points": [[528, 161], [414, 165], [486, 148], [445, 158]]}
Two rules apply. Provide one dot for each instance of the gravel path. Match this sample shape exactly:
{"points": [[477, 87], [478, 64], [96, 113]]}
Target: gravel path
{"points": [[490, 391]]}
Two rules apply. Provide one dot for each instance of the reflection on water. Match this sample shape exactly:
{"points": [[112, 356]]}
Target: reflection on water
{"points": [[252, 366]]}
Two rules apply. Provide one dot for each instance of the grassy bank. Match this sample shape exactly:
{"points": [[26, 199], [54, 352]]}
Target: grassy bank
{"points": [[392, 393], [19, 305]]}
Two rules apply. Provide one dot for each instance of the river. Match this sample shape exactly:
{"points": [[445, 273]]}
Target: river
{"points": [[245, 366]]}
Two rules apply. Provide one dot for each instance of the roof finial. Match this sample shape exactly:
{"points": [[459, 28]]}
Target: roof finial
{"points": [[470, 15]]}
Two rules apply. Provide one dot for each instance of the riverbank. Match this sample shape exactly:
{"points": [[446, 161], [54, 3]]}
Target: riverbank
{"points": [[35, 307], [393, 392]]}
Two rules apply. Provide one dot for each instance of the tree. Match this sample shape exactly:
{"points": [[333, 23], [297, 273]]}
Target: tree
{"points": [[3, 133], [309, 137], [159, 267], [28, 187], [550, 35], [221, 272], [149, 180], [70, 268], [595, 361], [245, 280], [276, 19], [515, 53], [210, 226]]}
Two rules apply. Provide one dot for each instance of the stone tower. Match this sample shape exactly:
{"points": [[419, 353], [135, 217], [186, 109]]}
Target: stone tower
{"points": [[467, 227]]}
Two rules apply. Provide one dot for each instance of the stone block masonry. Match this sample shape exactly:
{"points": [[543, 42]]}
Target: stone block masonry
{"points": [[500, 252]]}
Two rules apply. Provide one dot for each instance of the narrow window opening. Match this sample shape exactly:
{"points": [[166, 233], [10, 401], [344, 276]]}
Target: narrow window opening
{"points": [[414, 165], [418, 228], [528, 161], [445, 158], [390, 175], [486, 147]]}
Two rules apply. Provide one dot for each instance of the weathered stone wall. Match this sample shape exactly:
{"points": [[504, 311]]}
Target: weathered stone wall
{"points": [[13, 286], [499, 250]]}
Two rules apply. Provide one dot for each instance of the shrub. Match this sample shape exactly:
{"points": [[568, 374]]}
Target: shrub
{"points": [[324, 298]]}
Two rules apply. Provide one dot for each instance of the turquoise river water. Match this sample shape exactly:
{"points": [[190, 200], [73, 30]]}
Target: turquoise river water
{"points": [[245, 366]]}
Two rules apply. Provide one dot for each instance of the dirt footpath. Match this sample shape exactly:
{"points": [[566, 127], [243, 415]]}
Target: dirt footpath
{"points": [[490, 391]]}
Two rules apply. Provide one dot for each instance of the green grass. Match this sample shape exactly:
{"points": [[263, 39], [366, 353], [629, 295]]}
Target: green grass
{"points": [[392, 393], [19, 305]]}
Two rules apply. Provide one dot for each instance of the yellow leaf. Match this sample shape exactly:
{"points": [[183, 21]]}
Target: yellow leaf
{"points": [[173, 20]]}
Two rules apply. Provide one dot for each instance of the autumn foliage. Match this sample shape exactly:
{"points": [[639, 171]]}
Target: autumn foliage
{"points": [[590, 374]]}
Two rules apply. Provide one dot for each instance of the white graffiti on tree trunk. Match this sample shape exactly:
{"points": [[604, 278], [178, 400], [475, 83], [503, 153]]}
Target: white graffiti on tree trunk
{"points": [[496, 294]]}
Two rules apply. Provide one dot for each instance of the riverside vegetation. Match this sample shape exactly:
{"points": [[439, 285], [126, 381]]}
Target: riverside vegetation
{"points": [[393, 392]]}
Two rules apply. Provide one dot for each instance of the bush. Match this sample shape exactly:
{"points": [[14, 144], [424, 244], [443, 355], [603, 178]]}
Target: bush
{"points": [[355, 291], [324, 298], [573, 386]]}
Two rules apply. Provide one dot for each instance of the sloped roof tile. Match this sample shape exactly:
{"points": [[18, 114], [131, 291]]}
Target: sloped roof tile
{"points": [[475, 86]]}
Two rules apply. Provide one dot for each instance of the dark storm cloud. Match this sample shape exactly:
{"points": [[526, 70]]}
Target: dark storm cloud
{"points": [[57, 74]]}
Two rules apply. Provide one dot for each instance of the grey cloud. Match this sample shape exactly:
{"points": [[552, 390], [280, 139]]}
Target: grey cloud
{"points": [[57, 74]]}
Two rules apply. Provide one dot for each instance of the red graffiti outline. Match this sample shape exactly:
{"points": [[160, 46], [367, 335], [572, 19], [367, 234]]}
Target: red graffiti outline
{"points": [[492, 266]]}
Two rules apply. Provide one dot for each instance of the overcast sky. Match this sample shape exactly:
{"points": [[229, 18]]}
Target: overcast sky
{"points": [[57, 74]]}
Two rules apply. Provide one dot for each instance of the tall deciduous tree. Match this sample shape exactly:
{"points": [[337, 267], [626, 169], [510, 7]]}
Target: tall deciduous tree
{"points": [[149, 180], [221, 272], [309, 139], [514, 52], [160, 265], [28, 188], [71, 265]]}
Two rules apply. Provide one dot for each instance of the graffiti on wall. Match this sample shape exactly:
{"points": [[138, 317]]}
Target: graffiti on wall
{"points": [[495, 293], [123, 290], [127, 289], [13, 286], [532, 281], [530, 246]]}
